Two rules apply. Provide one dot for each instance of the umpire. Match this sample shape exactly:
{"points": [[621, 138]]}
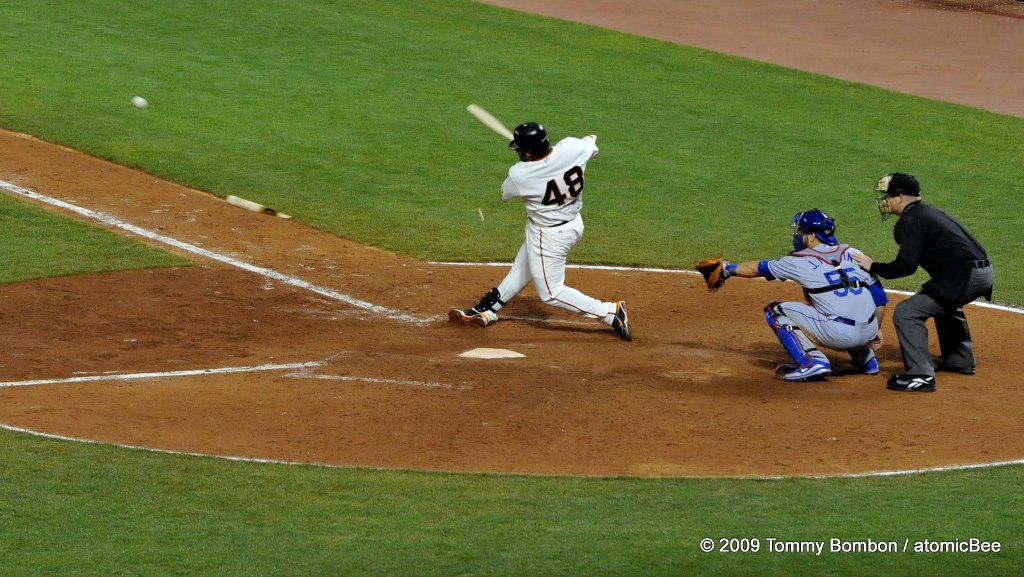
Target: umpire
{"points": [[960, 273]]}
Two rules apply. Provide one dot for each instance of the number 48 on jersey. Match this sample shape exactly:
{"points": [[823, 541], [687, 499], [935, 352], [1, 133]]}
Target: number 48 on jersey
{"points": [[554, 195]]}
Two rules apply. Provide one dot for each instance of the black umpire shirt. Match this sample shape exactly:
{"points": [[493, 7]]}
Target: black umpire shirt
{"points": [[935, 241], [931, 239]]}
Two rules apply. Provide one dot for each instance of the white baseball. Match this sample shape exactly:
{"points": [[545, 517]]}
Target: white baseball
{"points": [[139, 102]]}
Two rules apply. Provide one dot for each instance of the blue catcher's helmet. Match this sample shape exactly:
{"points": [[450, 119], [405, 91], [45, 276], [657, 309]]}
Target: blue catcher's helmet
{"points": [[813, 222]]}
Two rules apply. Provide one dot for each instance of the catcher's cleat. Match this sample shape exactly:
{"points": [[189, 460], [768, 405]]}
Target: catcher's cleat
{"points": [[815, 371], [870, 367], [621, 322], [471, 315], [920, 383]]}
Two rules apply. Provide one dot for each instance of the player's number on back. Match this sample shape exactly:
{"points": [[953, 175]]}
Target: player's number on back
{"points": [[833, 277], [554, 194]]}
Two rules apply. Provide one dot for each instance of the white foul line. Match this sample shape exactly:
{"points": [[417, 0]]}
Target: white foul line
{"points": [[329, 293], [263, 271], [136, 376], [1004, 308]]}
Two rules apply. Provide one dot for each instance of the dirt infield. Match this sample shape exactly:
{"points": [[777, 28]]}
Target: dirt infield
{"points": [[341, 355]]}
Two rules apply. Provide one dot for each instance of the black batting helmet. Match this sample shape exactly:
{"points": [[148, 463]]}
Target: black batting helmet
{"points": [[530, 137]]}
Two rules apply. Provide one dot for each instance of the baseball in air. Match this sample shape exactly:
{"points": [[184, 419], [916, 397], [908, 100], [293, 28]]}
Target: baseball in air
{"points": [[139, 102]]}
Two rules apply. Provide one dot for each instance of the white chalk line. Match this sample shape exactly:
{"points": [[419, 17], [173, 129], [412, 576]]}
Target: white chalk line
{"points": [[1005, 308], [897, 473], [375, 380], [257, 460], [323, 291], [159, 375], [303, 373], [579, 266], [335, 295], [112, 221], [51, 436]]}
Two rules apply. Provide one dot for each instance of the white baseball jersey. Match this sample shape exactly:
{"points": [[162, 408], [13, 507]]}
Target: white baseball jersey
{"points": [[552, 192], [824, 266], [552, 187]]}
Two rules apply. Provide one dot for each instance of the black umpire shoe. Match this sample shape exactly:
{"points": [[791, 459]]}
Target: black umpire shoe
{"points": [[942, 366], [957, 370], [920, 383]]}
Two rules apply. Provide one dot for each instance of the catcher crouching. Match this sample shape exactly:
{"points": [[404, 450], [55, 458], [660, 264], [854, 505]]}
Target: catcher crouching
{"points": [[844, 304]]}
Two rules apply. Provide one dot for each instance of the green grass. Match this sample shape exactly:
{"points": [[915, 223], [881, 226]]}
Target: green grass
{"points": [[72, 509], [350, 115], [36, 243]]}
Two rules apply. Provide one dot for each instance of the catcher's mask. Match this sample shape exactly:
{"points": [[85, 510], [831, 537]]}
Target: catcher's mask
{"points": [[813, 222], [894, 184], [530, 137]]}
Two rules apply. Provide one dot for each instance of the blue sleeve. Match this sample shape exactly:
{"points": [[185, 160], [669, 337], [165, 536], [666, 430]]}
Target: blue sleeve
{"points": [[878, 293], [764, 270]]}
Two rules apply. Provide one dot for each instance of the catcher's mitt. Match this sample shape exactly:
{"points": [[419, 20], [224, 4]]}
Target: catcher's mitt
{"points": [[714, 272]]}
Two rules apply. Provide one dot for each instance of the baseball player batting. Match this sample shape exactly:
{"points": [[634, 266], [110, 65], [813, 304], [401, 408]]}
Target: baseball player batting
{"points": [[549, 180], [845, 304]]}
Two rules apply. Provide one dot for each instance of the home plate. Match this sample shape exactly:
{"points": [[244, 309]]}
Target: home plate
{"points": [[492, 354]]}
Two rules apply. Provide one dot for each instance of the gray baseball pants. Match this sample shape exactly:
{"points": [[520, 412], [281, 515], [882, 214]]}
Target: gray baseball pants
{"points": [[955, 345]]}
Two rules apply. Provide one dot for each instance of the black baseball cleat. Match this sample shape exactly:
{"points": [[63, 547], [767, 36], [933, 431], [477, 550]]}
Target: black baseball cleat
{"points": [[957, 370], [919, 383], [621, 322], [941, 366]]}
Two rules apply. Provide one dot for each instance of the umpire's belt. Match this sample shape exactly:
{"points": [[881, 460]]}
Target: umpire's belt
{"points": [[852, 322], [984, 263]]}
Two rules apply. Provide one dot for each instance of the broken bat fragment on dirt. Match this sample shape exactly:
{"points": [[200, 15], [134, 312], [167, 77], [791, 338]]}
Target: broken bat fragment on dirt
{"points": [[253, 206]]}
